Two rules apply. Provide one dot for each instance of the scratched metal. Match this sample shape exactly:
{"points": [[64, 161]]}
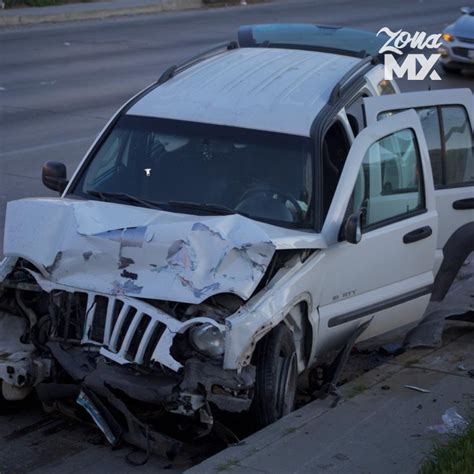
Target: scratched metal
{"points": [[125, 250]]}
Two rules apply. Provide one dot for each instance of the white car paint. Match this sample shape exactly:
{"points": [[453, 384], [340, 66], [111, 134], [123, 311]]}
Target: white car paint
{"points": [[261, 89]]}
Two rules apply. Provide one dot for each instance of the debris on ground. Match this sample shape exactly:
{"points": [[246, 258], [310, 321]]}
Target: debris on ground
{"points": [[453, 423], [418, 389]]}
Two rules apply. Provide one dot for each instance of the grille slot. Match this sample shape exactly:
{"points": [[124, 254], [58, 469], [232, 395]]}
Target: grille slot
{"points": [[461, 52], [97, 332], [145, 352], [466, 40], [137, 338], [126, 330]]}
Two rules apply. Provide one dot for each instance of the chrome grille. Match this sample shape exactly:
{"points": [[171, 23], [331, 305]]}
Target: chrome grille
{"points": [[128, 330]]}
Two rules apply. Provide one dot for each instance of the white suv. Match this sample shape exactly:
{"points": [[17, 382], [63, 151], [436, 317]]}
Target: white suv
{"points": [[232, 224]]}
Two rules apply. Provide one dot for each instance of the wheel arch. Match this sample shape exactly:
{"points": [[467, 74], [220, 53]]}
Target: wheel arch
{"points": [[455, 252]]}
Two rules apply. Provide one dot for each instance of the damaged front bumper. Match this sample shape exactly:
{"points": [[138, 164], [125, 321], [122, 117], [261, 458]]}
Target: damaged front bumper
{"points": [[128, 404], [20, 366], [113, 357]]}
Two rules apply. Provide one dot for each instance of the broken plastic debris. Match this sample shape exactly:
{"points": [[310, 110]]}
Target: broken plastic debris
{"points": [[453, 423], [418, 389]]}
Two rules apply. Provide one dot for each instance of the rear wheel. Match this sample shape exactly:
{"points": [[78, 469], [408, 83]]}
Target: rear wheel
{"points": [[276, 378]]}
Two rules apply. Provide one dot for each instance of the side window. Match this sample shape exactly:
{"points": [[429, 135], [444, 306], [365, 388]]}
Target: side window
{"points": [[389, 186], [429, 118], [449, 138], [458, 156]]}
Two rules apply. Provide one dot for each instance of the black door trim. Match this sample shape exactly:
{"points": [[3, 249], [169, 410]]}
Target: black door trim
{"points": [[376, 307], [417, 234], [463, 204]]}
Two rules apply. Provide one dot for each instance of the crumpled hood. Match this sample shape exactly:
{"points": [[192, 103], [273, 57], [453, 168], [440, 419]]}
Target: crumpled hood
{"points": [[119, 249]]}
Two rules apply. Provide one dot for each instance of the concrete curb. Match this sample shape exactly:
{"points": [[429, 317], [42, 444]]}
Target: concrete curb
{"points": [[234, 457], [296, 420], [97, 14]]}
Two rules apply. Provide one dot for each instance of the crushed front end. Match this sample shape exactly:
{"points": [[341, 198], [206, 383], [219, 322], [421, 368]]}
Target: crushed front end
{"points": [[129, 363], [84, 322]]}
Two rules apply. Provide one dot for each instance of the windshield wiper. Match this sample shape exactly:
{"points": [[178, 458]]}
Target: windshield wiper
{"points": [[123, 197], [128, 198], [204, 206]]}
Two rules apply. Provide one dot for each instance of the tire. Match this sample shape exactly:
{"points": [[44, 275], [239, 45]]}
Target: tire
{"points": [[451, 69], [276, 377]]}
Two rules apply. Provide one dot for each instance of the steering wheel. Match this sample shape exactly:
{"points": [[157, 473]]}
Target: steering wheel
{"points": [[270, 192]]}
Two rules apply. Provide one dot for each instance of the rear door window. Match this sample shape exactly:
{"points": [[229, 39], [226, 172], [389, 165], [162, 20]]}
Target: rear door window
{"points": [[449, 137]]}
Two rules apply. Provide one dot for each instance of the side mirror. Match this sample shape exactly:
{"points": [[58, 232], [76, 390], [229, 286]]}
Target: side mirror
{"points": [[353, 228], [467, 10], [54, 176]]}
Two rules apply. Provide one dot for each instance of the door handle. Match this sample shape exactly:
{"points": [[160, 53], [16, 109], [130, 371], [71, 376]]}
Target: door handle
{"points": [[418, 234], [463, 204]]}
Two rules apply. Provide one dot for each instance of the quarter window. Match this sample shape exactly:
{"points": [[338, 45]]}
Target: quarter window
{"points": [[459, 160], [389, 186]]}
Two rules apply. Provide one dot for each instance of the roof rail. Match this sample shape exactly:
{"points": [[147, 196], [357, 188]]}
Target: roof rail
{"points": [[353, 73], [176, 69]]}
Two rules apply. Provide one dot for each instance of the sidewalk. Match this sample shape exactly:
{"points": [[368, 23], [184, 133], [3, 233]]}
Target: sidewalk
{"points": [[91, 11], [380, 426]]}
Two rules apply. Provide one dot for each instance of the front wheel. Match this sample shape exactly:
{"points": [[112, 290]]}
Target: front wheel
{"points": [[276, 378]]}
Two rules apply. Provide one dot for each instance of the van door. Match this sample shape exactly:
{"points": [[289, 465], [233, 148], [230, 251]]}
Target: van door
{"points": [[388, 275], [447, 118]]}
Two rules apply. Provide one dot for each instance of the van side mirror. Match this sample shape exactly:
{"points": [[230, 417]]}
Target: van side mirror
{"points": [[54, 175], [353, 228]]}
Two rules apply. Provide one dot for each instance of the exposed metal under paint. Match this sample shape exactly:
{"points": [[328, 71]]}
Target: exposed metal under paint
{"points": [[96, 246]]}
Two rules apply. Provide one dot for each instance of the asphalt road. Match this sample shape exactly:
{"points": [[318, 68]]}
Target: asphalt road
{"points": [[60, 83]]}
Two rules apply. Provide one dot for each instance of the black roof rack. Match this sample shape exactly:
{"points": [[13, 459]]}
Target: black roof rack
{"points": [[360, 68], [173, 70]]}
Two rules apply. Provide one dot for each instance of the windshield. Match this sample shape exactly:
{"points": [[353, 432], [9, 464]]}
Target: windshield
{"points": [[199, 168]]}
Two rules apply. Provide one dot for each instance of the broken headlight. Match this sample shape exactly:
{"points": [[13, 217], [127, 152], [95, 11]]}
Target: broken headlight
{"points": [[207, 339]]}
